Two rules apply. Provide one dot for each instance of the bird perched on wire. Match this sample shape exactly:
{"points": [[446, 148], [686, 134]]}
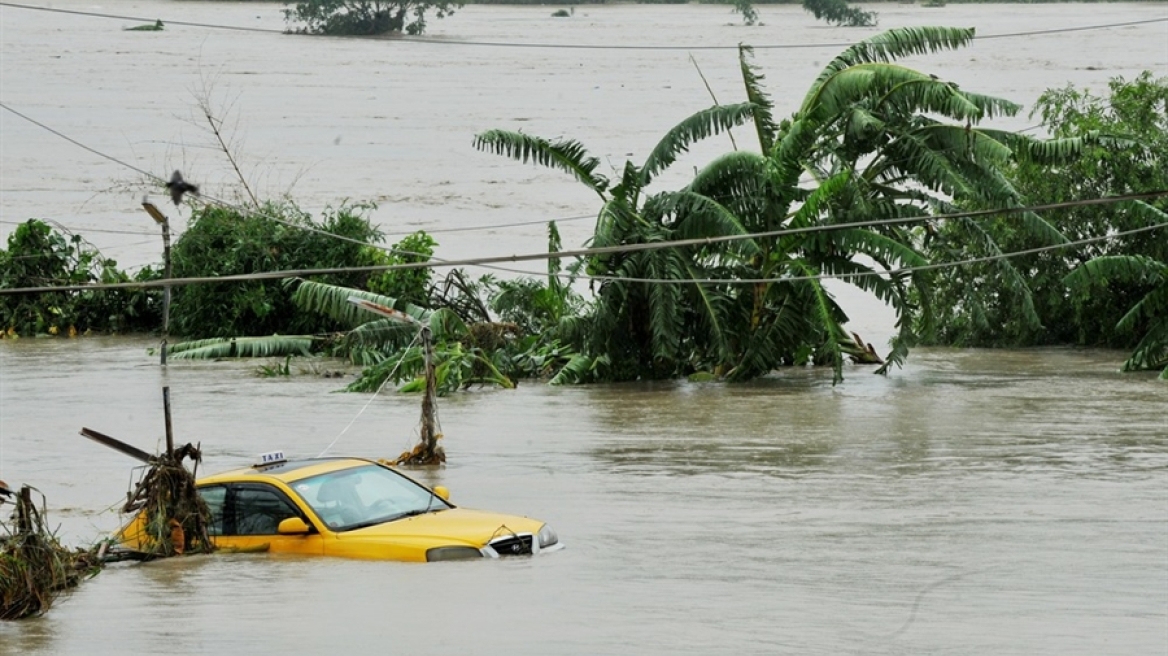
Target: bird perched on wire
{"points": [[178, 187], [4, 491]]}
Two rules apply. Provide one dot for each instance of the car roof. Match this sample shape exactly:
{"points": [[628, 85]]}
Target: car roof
{"points": [[286, 471]]}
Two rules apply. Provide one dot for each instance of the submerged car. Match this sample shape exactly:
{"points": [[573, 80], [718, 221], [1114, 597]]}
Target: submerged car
{"points": [[353, 508]]}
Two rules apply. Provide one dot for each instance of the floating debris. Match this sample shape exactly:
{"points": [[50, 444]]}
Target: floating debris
{"points": [[157, 26], [170, 519], [34, 567]]}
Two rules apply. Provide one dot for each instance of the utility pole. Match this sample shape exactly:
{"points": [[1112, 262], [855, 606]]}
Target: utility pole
{"points": [[161, 219]]}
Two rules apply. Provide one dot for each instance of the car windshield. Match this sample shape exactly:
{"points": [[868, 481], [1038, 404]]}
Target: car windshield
{"points": [[366, 495]]}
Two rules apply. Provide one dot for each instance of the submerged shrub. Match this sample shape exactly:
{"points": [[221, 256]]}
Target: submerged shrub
{"points": [[366, 17], [838, 12], [221, 242], [40, 255]]}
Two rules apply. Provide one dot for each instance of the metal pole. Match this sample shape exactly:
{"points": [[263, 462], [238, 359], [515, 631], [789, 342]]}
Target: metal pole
{"points": [[166, 289], [169, 430]]}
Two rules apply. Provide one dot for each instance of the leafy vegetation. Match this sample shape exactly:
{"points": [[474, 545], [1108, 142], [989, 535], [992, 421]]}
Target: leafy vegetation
{"points": [[1147, 319], [221, 241], [469, 346], [1127, 134], [38, 255], [366, 17], [872, 142], [156, 26], [867, 136], [749, 13], [842, 188], [839, 12]]}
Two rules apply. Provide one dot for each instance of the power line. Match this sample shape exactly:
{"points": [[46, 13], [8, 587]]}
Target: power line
{"points": [[77, 143], [560, 46], [626, 248], [237, 208], [496, 226], [776, 233], [88, 230], [488, 262], [889, 272]]}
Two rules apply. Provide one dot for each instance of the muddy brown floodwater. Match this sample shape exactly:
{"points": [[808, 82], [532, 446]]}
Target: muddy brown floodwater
{"points": [[974, 502]]}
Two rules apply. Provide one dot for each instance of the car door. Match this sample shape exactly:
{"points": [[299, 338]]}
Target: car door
{"points": [[245, 517]]}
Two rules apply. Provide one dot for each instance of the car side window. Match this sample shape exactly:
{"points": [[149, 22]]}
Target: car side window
{"points": [[216, 498], [257, 510]]}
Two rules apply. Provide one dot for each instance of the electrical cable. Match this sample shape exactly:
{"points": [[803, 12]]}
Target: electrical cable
{"points": [[624, 248], [237, 208], [88, 230], [559, 46], [496, 226], [490, 261], [388, 377]]}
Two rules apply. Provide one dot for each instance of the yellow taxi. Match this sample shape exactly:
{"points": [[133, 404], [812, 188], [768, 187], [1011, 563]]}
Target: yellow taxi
{"points": [[353, 508]]}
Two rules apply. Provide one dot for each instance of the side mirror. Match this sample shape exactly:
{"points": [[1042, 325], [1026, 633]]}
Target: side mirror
{"points": [[292, 526], [442, 492]]}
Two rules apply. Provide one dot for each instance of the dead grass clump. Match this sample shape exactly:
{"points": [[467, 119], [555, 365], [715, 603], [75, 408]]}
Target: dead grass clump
{"points": [[34, 567]]}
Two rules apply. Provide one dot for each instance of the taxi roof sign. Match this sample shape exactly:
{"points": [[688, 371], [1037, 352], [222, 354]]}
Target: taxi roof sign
{"points": [[270, 458]]}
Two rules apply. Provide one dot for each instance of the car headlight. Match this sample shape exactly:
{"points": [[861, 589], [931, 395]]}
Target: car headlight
{"points": [[452, 553], [547, 537]]}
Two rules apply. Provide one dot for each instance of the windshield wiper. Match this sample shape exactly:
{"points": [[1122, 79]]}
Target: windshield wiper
{"points": [[412, 513], [391, 518]]}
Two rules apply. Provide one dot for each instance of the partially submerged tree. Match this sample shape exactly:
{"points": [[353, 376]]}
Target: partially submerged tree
{"points": [[867, 145], [1125, 135], [635, 329], [1147, 320], [278, 236], [41, 253], [746, 8], [839, 12], [366, 17]]}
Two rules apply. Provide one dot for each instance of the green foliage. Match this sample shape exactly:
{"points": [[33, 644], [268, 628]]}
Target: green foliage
{"points": [[869, 142], [637, 327], [39, 255], [469, 346], [838, 12], [366, 17], [749, 13], [242, 347], [156, 26], [1148, 317], [1103, 146], [221, 241], [406, 285], [276, 369]]}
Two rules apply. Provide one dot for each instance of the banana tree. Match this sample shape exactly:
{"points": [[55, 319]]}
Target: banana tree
{"points": [[872, 142], [637, 329], [1149, 316], [385, 347]]}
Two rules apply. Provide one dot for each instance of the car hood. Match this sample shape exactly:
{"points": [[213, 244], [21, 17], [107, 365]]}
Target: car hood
{"points": [[471, 527]]}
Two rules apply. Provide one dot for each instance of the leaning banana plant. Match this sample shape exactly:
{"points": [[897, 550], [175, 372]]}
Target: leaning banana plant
{"points": [[638, 329], [1149, 314], [387, 349]]}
